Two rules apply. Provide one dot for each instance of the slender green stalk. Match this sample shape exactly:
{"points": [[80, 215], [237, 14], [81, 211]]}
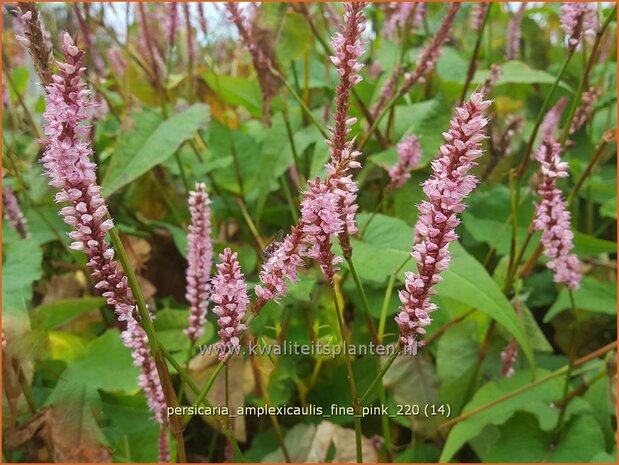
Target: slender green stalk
{"points": [[147, 324], [204, 392], [294, 212], [570, 368], [305, 108], [351, 379], [250, 224], [379, 376], [540, 116], [293, 146], [473, 63], [383, 311], [513, 250], [387, 299]]}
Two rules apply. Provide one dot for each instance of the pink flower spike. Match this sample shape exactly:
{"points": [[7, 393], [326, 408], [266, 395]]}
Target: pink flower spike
{"points": [[409, 154], [578, 19], [514, 33], [445, 192], [13, 213], [478, 14], [585, 109], [429, 56], [552, 119], [508, 359], [348, 48], [230, 296], [172, 23], [67, 164], [320, 220], [200, 261], [553, 218]]}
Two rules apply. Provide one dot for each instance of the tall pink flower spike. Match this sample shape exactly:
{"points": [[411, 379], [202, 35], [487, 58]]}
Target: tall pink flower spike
{"points": [[200, 261], [67, 163], [446, 190], [329, 207], [553, 218], [230, 296]]}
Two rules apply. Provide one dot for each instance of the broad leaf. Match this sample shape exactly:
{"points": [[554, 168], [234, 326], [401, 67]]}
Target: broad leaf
{"points": [[593, 296], [52, 315], [161, 144], [21, 268]]}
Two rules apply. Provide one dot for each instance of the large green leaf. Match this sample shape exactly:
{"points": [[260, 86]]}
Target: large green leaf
{"points": [[521, 437], [593, 296], [21, 267], [106, 364], [129, 422], [467, 281], [137, 128], [386, 245], [161, 144], [295, 38], [537, 400], [50, 316]]}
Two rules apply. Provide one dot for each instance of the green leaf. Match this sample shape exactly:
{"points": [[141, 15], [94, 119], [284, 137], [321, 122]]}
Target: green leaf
{"points": [[21, 268], [170, 325], [520, 437], [106, 365], [62, 311], [593, 296], [425, 120], [223, 142], [161, 144], [517, 72], [537, 400], [294, 39], [138, 127], [130, 422], [589, 246], [237, 91], [457, 351], [386, 245], [467, 281]]}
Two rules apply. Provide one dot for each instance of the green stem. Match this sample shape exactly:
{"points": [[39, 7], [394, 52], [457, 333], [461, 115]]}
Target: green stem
{"points": [[540, 116], [305, 108], [473, 63], [387, 299], [286, 189], [568, 374], [351, 379], [293, 146], [147, 324], [379, 376]]}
